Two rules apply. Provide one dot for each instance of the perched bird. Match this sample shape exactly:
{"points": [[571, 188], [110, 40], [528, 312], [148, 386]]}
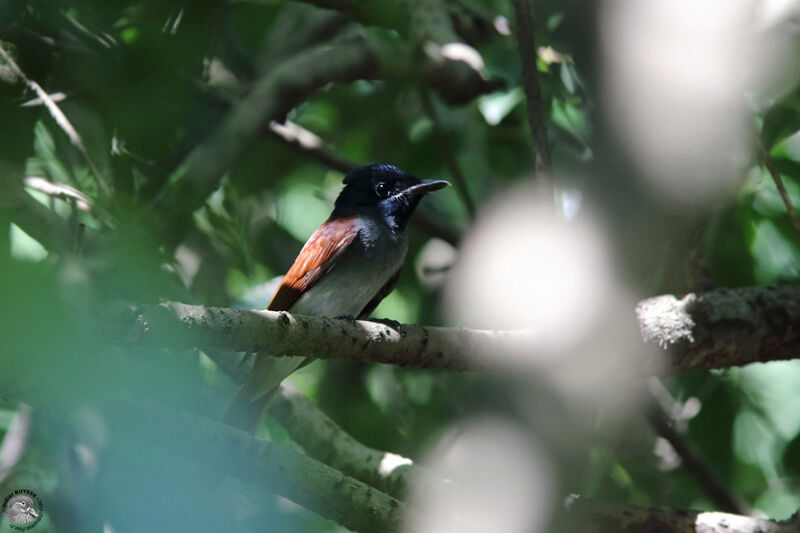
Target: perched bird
{"points": [[20, 510], [346, 268]]}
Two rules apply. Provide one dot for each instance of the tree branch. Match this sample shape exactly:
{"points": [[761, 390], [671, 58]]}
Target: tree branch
{"points": [[526, 42], [724, 327], [324, 440], [53, 231], [776, 177], [281, 333], [309, 144], [594, 517], [718, 329], [290, 82]]}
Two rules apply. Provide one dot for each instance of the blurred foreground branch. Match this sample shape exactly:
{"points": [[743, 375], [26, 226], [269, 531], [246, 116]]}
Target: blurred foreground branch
{"points": [[54, 232], [717, 329], [224, 451], [281, 333]]}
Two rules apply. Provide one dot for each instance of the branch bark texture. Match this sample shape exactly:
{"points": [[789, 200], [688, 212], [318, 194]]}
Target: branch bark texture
{"points": [[324, 440], [724, 327], [592, 517], [717, 329], [223, 451], [280, 333]]}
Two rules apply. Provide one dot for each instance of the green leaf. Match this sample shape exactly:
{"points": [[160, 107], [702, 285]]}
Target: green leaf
{"points": [[496, 106]]}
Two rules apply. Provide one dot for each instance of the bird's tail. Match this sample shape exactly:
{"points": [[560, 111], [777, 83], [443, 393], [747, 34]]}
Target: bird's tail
{"points": [[252, 400]]}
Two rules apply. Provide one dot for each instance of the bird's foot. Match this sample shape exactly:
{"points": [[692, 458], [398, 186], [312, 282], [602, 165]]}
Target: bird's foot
{"points": [[394, 324]]}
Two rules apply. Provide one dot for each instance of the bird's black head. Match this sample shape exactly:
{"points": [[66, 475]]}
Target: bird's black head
{"points": [[385, 191]]}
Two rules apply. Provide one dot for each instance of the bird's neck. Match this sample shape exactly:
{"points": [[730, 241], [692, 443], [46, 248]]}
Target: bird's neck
{"points": [[395, 222]]}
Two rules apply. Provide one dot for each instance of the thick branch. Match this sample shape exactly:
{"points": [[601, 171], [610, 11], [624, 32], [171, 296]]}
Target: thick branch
{"points": [[280, 333], [718, 329], [309, 144], [724, 327], [395, 14], [592, 517]]}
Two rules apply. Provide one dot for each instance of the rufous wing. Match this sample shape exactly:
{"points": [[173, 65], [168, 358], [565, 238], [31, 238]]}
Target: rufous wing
{"points": [[322, 250]]}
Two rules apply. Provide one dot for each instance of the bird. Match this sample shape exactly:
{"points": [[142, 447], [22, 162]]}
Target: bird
{"points": [[347, 266], [21, 510]]}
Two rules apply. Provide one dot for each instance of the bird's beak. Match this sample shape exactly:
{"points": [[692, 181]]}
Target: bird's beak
{"points": [[33, 513], [425, 187]]}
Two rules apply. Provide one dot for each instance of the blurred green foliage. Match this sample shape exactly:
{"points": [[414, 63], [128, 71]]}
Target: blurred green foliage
{"points": [[145, 82]]}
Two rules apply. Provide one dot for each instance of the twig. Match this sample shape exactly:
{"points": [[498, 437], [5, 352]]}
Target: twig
{"points": [[693, 461], [309, 144], [60, 118], [526, 42], [64, 192], [447, 151], [776, 177], [54, 232]]}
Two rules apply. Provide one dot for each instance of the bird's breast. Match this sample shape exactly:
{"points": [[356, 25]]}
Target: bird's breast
{"points": [[365, 267]]}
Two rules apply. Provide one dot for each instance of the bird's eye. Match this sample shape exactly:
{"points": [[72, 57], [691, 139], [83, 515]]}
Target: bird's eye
{"points": [[382, 190]]}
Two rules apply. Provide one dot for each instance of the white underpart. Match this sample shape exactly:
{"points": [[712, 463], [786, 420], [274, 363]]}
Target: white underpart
{"points": [[368, 263]]}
